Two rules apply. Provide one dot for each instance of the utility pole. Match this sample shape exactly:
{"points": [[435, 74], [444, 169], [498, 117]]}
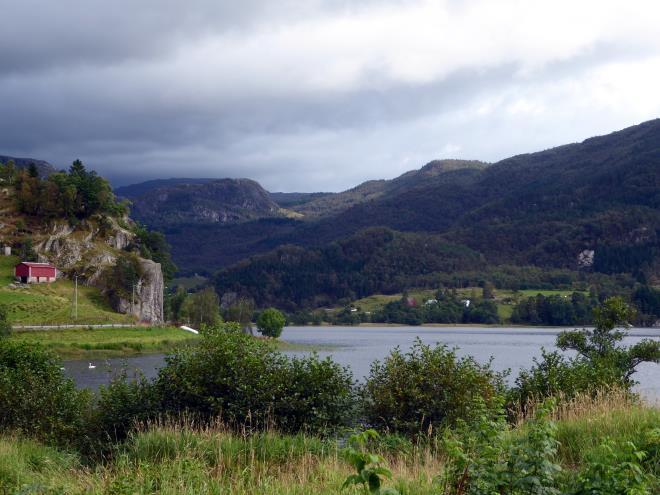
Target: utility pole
{"points": [[75, 298]]}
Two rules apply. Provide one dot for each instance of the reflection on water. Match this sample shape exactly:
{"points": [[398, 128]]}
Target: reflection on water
{"points": [[357, 347]]}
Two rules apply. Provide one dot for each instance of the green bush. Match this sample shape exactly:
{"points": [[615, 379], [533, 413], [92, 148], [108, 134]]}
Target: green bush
{"points": [[615, 469], [426, 388], [601, 360], [555, 375], [118, 408], [485, 457], [35, 397], [5, 326], [246, 382]]}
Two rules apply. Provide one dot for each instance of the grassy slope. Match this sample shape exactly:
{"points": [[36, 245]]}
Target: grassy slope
{"points": [[107, 342], [180, 460], [52, 303]]}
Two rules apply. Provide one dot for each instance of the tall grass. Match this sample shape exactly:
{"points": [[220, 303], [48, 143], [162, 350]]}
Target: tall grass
{"points": [[584, 421], [183, 457]]}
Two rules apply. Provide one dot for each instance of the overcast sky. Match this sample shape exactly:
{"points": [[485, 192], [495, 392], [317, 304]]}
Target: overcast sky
{"points": [[316, 94]]}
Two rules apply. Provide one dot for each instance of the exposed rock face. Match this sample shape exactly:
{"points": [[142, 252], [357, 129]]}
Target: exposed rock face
{"points": [[148, 304], [88, 252], [586, 258]]}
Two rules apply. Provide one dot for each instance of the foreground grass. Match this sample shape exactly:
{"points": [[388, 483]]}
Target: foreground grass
{"points": [[52, 304], [82, 343], [185, 459]]}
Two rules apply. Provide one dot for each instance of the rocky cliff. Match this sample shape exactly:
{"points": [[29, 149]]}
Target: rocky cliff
{"points": [[148, 303], [90, 248]]}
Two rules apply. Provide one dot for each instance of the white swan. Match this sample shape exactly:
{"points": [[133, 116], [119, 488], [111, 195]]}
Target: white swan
{"points": [[91, 366]]}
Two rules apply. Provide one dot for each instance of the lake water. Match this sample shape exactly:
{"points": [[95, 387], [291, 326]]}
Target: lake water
{"points": [[358, 347]]}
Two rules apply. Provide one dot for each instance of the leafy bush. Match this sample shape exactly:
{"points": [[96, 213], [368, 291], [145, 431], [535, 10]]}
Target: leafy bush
{"points": [[426, 388], [555, 375], [370, 469], [271, 322], [615, 470], [246, 382], [35, 397], [600, 362], [484, 457], [119, 407], [5, 326]]}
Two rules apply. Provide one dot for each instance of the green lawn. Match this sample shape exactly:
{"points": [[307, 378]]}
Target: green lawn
{"points": [[107, 342], [52, 304]]}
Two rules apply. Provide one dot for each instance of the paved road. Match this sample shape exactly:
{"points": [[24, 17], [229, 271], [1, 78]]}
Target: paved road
{"points": [[63, 327]]}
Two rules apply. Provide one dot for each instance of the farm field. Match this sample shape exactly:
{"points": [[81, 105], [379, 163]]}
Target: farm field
{"points": [[505, 299]]}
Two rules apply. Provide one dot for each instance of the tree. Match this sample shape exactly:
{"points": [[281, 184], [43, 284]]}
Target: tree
{"points": [[27, 252], [600, 345], [271, 322], [203, 308], [175, 304], [241, 311], [488, 290], [33, 171], [5, 326]]}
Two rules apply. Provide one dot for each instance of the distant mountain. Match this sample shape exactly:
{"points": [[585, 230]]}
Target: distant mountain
{"points": [[331, 204], [44, 168], [220, 201], [293, 199], [136, 190]]}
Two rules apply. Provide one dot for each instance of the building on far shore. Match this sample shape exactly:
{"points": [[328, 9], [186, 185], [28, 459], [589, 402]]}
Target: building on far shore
{"points": [[28, 272]]}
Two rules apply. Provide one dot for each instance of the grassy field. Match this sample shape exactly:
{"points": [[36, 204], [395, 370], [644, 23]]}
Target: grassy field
{"points": [[48, 304], [175, 459], [84, 343], [107, 342]]}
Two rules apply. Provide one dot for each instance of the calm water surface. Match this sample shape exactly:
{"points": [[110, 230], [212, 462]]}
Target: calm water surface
{"points": [[357, 347]]}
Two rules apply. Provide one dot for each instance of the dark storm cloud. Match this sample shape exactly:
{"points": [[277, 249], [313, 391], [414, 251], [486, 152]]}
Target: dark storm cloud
{"points": [[314, 95]]}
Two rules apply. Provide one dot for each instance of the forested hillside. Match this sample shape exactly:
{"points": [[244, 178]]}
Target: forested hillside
{"points": [[375, 260], [588, 207]]}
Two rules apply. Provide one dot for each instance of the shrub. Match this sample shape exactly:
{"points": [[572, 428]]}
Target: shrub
{"points": [[556, 375], [615, 470], [600, 362], [426, 388], [246, 382], [118, 409], [35, 397], [5, 326], [271, 322], [485, 457]]}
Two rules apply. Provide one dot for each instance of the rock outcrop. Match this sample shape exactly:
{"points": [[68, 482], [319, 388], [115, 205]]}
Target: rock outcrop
{"points": [[88, 250], [148, 303]]}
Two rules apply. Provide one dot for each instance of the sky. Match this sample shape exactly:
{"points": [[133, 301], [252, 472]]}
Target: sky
{"points": [[317, 95]]}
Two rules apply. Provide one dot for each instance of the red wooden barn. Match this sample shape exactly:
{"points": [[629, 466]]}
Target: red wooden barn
{"points": [[28, 272]]}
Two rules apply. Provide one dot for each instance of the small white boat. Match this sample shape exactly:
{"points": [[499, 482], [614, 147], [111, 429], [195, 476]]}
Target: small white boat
{"points": [[91, 366]]}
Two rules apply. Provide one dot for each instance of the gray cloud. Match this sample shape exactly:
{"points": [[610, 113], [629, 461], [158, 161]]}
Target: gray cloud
{"points": [[316, 95]]}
